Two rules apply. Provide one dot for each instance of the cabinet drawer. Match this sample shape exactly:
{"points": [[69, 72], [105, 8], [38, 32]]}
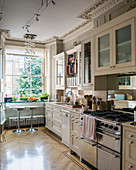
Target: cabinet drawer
{"points": [[129, 166], [57, 116], [75, 143], [75, 127], [130, 154], [57, 128], [130, 135], [48, 123]]}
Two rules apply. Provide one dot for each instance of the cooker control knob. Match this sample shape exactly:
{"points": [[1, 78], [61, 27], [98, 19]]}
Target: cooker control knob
{"points": [[111, 127], [106, 125], [116, 128], [101, 124]]}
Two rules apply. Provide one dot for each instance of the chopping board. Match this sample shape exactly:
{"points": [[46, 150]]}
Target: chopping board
{"points": [[74, 106]]}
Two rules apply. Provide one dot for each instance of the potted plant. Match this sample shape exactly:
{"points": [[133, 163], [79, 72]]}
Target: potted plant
{"points": [[23, 98], [14, 98], [44, 96]]}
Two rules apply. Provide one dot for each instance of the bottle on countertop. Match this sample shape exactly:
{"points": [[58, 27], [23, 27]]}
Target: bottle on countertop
{"points": [[94, 105], [135, 113]]}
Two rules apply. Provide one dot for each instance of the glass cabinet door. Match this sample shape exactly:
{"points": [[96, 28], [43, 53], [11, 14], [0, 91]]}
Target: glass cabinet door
{"points": [[80, 69], [123, 45], [87, 63], [60, 73], [104, 51]]}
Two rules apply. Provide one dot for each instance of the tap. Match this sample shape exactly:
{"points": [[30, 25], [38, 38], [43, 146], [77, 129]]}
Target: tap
{"points": [[71, 93]]}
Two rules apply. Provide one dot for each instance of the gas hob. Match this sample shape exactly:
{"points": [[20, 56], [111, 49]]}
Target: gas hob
{"points": [[112, 115]]}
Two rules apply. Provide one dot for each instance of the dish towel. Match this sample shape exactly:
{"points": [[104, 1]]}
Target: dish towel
{"points": [[91, 128], [84, 128]]}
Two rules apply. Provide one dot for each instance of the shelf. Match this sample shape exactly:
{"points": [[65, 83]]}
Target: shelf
{"points": [[71, 86], [104, 49], [124, 43]]}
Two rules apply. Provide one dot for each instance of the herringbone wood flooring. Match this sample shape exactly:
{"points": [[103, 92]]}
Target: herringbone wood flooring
{"points": [[40, 150]]}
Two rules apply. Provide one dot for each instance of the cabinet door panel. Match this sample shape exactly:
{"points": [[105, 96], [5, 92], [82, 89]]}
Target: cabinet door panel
{"points": [[130, 146], [74, 143], [104, 51], [129, 166], [87, 62], [124, 44]]}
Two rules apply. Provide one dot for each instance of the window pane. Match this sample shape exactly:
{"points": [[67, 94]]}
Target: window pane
{"points": [[36, 82], [25, 92], [23, 71], [24, 82], [37, 92], [9, 68], [36, 69]]}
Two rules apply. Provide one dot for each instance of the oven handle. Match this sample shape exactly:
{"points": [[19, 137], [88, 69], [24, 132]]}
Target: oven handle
{"points": [[89, 142], [116, 138], [115, 156]]}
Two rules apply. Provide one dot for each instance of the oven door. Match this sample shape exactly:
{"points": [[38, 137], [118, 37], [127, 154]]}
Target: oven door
{"points": [[108, 159], [110, 141], [88, 151]]}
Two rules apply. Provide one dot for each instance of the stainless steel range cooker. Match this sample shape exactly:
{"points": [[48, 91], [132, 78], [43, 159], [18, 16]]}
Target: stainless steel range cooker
{"points": [[106, 150]]}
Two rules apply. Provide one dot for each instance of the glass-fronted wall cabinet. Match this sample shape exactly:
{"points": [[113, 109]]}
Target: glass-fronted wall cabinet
{"points": [[124, 40], [60, 71], [86, 62], [104, 50], [115, 47], [73, 66]]}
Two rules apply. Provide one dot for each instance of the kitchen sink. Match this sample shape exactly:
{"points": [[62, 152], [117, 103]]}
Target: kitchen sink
{"points": [[61, 104]]}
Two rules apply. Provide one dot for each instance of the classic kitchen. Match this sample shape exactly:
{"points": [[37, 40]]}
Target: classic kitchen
{"points": [[68, 101]]}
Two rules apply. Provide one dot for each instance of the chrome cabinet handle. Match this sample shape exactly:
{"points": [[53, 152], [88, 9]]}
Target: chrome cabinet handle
{"points": [[76, 137], [130, 166], [76, 122], [130, 142], [115, 138], [130, 136], [89, 142], [115, 156], [110, 66]]}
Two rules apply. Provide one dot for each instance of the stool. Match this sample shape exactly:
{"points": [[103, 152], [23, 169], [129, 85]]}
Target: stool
{"points": [[31, 108], [18, 109]]}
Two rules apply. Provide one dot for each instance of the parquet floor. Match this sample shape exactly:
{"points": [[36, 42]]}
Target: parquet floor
{"points": [[40, 150]]}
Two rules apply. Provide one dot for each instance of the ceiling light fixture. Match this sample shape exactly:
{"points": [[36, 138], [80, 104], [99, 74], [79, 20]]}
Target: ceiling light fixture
{"points": [[0, 16], [29, 45], [37, 17], [2, 10], [54, 3], [26, 27], [43, 7]]}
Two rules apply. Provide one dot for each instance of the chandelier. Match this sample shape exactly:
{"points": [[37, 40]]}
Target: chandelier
{"points": [[29, 45]]}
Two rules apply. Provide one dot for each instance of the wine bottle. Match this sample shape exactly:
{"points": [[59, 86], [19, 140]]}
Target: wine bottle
{"points": [[135, 113]]}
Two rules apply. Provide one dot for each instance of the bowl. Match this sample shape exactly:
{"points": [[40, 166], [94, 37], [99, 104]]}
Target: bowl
{"points": [[85, 108]]}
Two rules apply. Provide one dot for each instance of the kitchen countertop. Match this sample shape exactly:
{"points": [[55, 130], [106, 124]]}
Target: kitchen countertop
{"points": [[63, 105], [127, 124]]}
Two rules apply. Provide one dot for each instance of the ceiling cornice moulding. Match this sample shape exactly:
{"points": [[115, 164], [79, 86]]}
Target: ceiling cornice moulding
{"points": [[82, 28], [99, 8]]}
